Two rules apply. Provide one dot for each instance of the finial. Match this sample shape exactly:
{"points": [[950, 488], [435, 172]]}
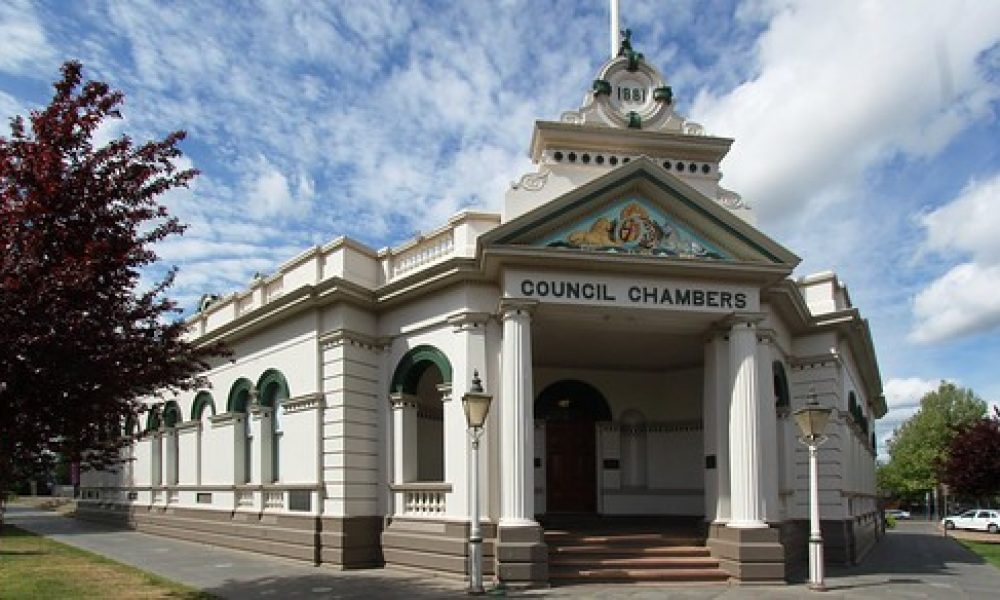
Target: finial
{"points": [[477, 385]]}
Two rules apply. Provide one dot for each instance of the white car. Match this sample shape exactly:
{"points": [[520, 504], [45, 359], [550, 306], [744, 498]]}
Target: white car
{"points": [[978, 519]]}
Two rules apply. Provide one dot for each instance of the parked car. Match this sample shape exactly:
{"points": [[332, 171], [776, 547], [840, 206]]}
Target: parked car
{"points": [[898, 514], [978, 519]]}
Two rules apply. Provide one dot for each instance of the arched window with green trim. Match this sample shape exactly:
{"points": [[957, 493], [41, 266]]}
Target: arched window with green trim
{"points": [[239, 402], [171, 419], [272, 389], [153, 419], [419, 382], [203, 402], [782, 395]]}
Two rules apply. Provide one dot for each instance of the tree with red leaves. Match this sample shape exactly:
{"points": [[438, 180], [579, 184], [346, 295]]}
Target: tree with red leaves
{"points": [[972, 466], [80, 342]]}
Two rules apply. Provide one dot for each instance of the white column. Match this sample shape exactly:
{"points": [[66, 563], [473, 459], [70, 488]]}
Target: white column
{"points": [[516, 418], [716, 417], [768, 428], [404, 438], [470, 329], [747, 505]]}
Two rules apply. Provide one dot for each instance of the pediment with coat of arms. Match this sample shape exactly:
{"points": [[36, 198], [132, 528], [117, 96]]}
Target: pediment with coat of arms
{"points": [[633, 225]]}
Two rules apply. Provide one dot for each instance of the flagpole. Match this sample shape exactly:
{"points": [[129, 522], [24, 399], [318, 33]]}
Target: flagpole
{"points": [[614, 29]]}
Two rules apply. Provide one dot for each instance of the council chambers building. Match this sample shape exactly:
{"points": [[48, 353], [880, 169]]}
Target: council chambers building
{"points": [[644, 344]]}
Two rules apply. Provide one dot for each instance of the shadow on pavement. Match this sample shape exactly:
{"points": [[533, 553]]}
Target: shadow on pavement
{"points": [[329, 584]]}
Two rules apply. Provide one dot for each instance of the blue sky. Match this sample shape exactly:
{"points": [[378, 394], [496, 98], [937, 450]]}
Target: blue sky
{"points": [[866, 132]]}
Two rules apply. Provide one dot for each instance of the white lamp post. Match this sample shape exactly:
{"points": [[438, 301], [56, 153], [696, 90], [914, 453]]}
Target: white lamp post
{"points": [[812, 419], [477, 405]]}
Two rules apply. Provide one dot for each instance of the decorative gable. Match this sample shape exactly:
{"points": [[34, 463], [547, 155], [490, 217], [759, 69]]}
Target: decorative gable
{"points": [[640, 210], [633, 225]]}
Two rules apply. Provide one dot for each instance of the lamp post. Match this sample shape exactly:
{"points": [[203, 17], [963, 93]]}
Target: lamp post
{"points": [[812, 419], [477, 405]]}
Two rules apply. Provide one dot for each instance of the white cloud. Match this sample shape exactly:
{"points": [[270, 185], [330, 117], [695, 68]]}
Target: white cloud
{"points": [[902, 393], [270, 194], [842, 87], [24, 45], [963, 300]]}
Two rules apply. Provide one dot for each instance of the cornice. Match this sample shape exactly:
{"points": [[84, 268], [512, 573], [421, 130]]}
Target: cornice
{"points": [[303, 403]]}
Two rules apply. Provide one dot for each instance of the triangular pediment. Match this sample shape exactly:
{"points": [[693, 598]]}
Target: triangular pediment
{"points": [[633, 224], [641, 210]]}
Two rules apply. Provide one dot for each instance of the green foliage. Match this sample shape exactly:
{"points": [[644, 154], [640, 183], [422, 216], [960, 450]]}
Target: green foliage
{"points": [[890, 522], [921, 443]]}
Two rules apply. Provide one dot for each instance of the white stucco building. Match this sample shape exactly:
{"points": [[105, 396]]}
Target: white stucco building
{"points": [[644, 342]]}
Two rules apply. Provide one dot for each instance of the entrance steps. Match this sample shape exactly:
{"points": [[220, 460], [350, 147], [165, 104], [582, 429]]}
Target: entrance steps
{"points": [[629, 550]]}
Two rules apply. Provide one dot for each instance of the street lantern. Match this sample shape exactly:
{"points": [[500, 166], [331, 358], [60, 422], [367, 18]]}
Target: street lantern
{"points": [[812, 420], [477, 405]]}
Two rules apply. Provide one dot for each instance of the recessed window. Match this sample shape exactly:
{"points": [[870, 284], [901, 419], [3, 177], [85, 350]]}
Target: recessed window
{"points": [[705, 169], [613, 160], [692, 167], [558, 156], [203, 498], [571, 156], [585, 158]]}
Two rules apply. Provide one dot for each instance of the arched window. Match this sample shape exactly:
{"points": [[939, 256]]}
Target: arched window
{"points": [[202, 408], [419, 384], [172, 418], [153, 421], [782, 397], [239, 402], [273, 390], [203, 402]]}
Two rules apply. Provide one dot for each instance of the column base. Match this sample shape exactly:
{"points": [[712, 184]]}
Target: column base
{"points": [[749, 555], [522, 558]]}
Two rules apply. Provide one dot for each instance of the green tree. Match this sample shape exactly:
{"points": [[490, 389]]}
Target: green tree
{"points": [[920, 444]]}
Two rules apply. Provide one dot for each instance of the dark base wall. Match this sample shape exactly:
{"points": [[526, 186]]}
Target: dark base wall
{"points": [[441, 547], [844, 542], [344, 542]]}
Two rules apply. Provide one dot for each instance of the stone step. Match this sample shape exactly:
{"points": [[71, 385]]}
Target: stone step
{"points": [[644, 562], [611, 575], [629, 550]]}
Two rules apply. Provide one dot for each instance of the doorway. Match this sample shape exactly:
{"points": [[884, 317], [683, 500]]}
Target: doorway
{"points": [[570, 409]]}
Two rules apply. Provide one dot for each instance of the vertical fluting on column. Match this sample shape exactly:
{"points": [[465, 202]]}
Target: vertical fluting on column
{"points": [[716, 416], [746, 503], [516, 418]]}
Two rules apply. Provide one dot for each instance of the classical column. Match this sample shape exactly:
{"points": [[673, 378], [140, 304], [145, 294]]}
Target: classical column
{"points": [[404, 433], [516, 418], [746, 504], [716, 418]]}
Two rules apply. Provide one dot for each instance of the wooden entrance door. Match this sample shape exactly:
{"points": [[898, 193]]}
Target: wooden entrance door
{"points": [[571, 480]]}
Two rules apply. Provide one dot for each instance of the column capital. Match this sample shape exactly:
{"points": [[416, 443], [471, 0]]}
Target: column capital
{"points": [[751, 319], [399, 400], [469, 321], [445, 390], [511, 307]]}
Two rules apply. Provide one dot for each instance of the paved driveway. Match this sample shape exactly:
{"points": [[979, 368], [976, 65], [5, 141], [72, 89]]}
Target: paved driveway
{"points": [[913, 561]]}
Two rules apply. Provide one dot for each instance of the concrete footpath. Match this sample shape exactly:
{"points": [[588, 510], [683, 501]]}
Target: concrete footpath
{"points": [[913, 561]]}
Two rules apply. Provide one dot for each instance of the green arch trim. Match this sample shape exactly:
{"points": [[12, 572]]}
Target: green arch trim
{"points": [[268, 380], [202, 400], [782, 395], [412, 366], [172, 414], [239, 395]]}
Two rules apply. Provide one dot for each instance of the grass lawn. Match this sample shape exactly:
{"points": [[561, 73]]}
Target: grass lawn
{"points": [[989, 552], [32, 566]]}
